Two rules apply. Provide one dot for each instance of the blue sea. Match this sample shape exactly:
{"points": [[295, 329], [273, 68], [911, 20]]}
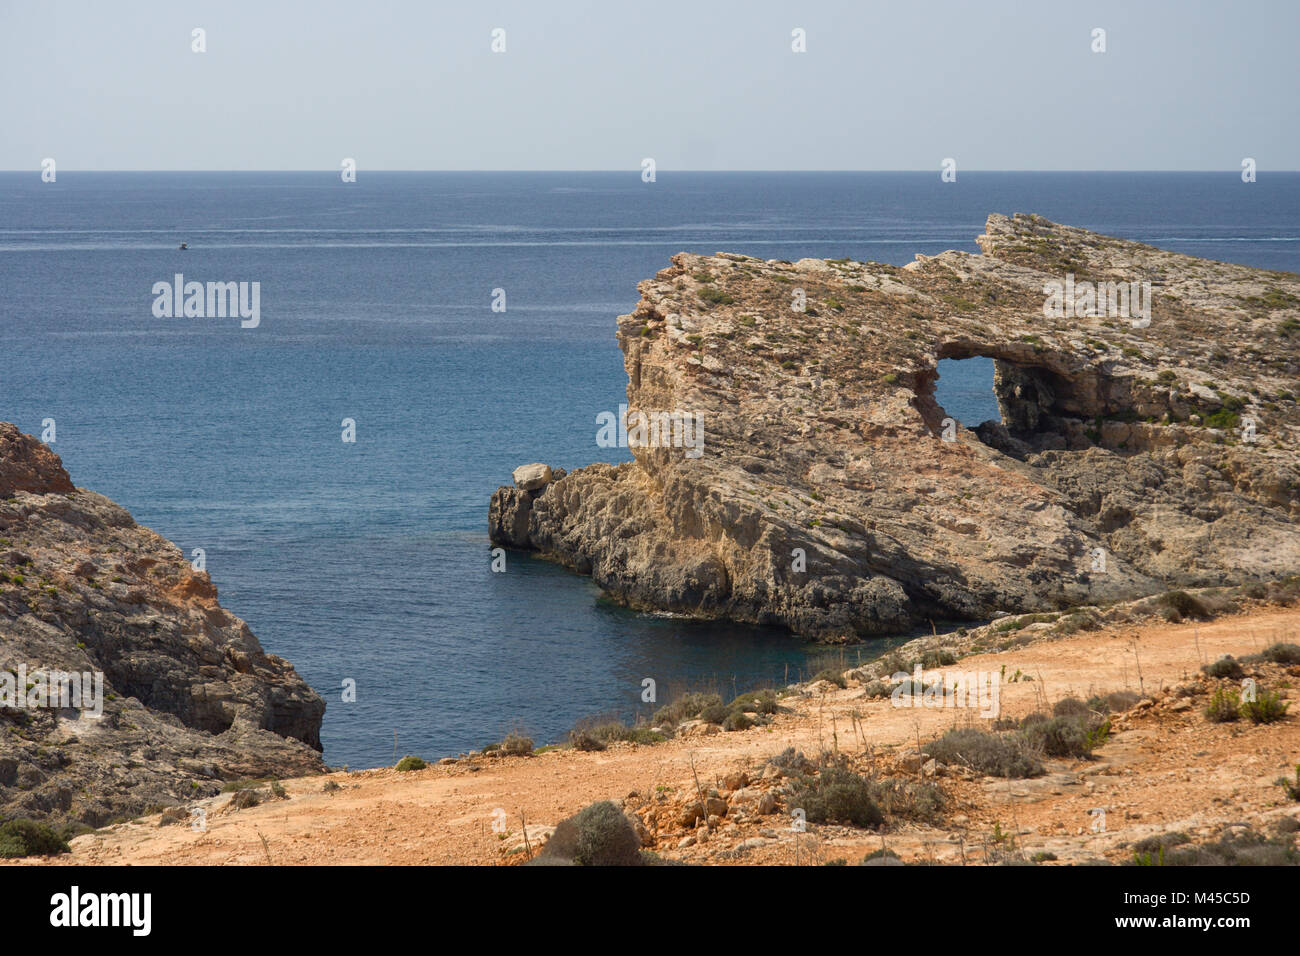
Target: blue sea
{"points": [[370, 560]]}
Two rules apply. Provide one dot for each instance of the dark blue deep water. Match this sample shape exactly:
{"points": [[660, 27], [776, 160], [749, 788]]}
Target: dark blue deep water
{"points": [[370, 560]]}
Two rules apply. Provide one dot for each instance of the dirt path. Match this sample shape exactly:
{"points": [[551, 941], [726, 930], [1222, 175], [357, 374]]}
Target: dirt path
{"points": [[1165, 768]]}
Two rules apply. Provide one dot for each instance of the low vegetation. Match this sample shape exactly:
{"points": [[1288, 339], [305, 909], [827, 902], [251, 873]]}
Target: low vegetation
{"points": [[19, 838]]}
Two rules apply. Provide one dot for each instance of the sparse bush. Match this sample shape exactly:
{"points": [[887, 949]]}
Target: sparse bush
{"points": [[714, 713], [1282, 653], [876, 689], [410, 763], [836, 795], [792, 762], [585, 740], [715, 296], [1153, 844], [244, 799], [1114, 703], [833, 676], [1225, 666], [517, 745], [938, 658], [595, 734], [1071, 707], [1292, 790], [914, 800], [996, 755], [892, 663], [1250, 848]]}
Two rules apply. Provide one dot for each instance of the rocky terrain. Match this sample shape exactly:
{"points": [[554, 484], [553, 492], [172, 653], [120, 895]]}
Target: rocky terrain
{"points": [[1131, 456], [190, 699], [1159, 780]]}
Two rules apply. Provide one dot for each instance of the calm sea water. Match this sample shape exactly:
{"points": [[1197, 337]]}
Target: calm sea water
{"points": [[370, 560]]}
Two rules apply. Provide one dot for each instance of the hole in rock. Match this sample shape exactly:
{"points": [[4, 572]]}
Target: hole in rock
{"points": [[965, 390], [1020, 407]]}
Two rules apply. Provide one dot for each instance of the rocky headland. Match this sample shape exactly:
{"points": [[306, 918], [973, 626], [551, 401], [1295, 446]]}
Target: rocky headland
{"points": [[190, 700], [1136, 452]]}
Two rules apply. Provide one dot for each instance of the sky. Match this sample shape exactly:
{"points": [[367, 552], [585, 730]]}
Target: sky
{"points": [[993, 84]]}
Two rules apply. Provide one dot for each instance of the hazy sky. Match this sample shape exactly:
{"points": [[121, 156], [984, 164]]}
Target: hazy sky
{"points": [[994, 84]]}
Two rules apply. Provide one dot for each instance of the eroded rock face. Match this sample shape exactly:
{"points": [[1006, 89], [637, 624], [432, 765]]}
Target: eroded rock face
{"points": [[190, 697], [1130, 458]]}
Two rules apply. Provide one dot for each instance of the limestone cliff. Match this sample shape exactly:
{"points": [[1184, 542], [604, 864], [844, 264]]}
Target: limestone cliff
{"points": [[1136, 452], [190, 699]]}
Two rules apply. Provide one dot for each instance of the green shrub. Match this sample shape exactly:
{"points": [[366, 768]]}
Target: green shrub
{"points": [[686, 707], [737, 720], [756, 702], [1224, 706], [598, 835], [410, 763], [585, 740], [884, 853], [1182, 605], [1266, 708], [20, 838], [1070, 736], [836, 795], [714, 713], [715, 296]]}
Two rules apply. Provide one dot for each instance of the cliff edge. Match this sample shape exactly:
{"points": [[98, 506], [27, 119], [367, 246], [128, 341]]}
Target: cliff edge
{"points": [[1145, 444], [187, 698]]}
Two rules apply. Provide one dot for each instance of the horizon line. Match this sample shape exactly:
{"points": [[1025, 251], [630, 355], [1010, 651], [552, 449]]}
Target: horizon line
{"points": [[636, 171]]}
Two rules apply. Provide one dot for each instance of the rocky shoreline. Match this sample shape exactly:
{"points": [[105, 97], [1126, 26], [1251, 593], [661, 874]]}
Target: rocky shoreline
{"points": [[188, 698], [835, 497]]}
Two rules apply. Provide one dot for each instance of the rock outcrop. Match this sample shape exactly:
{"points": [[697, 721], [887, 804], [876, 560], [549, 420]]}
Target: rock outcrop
{"points": [[1137, 451], [189, 697]]}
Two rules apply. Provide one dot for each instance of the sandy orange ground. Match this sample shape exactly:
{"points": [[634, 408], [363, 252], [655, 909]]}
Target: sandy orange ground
{"points": [[1164, 769]]}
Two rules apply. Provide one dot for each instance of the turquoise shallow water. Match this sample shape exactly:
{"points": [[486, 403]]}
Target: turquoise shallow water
{"points": [[370, 560]]}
